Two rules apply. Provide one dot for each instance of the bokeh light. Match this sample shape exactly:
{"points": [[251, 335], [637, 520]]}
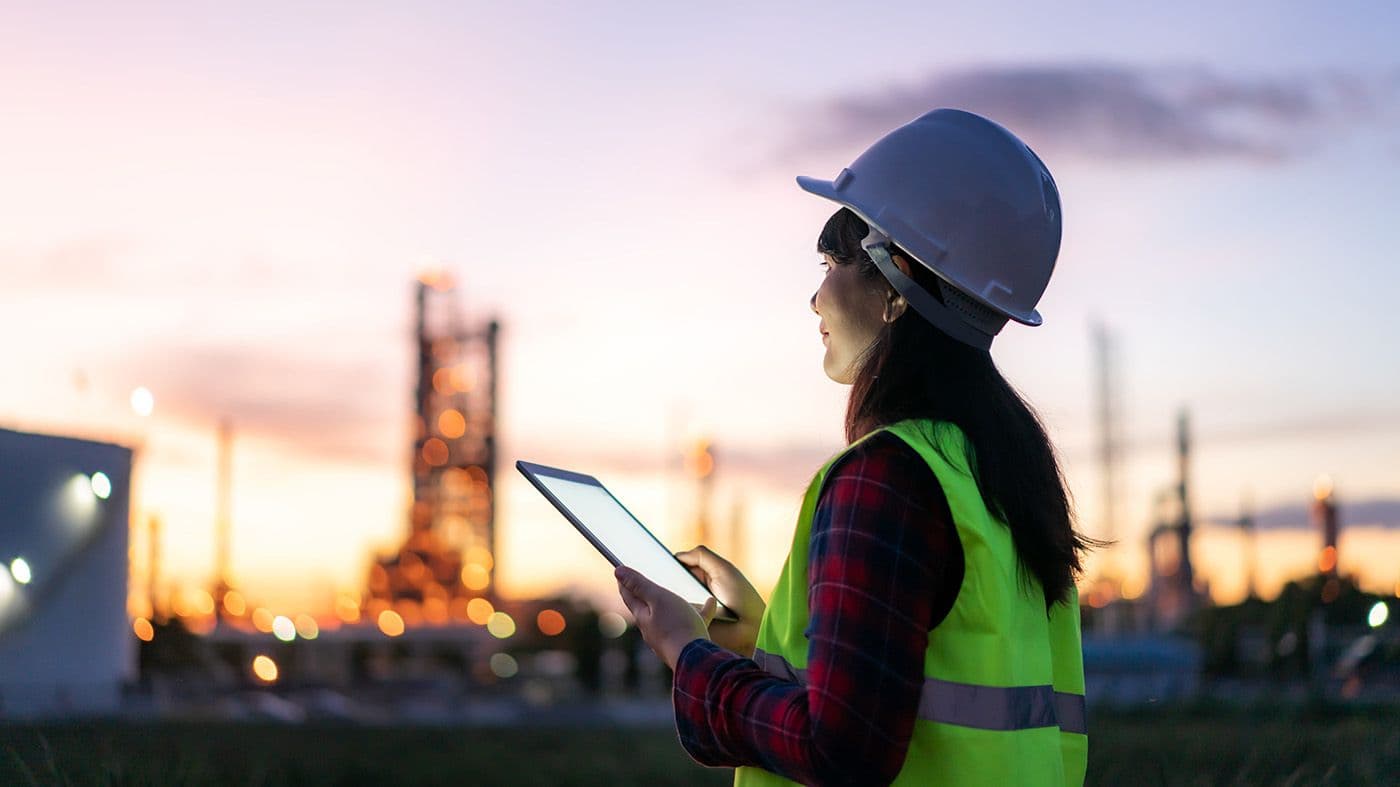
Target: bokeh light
{"points": [[283, 628], [550, 622], [306, 626], [451, 424], [101, 485], [143, 629], [262, 620], [143, 402], [435, 452], [7, 590], [479, 611], [501, 626], [235, 604], [181, 604], [475, 576], [347, 608], [202, 602], [1323, 487], [390, 623], [19, 569], [481, 556], [79, 500], [1379, 614], [612, 625], [503, 665], [265, 668]]}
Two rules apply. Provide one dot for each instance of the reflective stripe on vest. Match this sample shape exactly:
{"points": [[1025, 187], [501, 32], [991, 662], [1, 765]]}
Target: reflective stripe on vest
{"points": [[970, 705]]}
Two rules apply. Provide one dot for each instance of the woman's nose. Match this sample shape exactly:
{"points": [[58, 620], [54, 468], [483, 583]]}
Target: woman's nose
{"points": [[813, 303]]}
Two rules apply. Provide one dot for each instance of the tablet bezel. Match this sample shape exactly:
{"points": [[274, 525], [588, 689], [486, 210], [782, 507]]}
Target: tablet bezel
{"points": [[530, 470]]}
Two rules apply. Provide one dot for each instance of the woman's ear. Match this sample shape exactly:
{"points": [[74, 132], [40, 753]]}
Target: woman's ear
{"points": [[894, 307], [895, 304]]}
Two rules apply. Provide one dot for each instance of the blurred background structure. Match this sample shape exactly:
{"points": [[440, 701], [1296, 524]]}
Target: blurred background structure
{"points": [[66, 644], [449, 554]]}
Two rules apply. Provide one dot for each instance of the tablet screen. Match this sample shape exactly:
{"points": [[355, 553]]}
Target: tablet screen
{"points": [[629, 542]]}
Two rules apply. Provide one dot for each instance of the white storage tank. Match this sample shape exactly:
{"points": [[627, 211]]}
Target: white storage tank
{"points": [[66, 644]]}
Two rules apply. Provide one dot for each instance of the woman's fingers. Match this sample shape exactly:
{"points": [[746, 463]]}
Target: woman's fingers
{"points": [[633, 593], [704, 558], [707, 612]]}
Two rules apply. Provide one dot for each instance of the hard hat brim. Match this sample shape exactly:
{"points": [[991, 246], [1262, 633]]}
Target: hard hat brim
{"points": [[827, 189], [822, 188]]}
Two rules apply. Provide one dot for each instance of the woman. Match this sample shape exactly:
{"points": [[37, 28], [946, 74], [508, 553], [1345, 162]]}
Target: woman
{"points": [[925, 628]]}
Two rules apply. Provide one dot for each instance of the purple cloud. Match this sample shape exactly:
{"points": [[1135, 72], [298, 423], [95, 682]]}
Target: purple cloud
{"points": [[317, 405], [1110, 112]]}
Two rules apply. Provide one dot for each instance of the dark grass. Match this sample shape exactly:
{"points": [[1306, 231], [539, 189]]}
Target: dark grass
{"points": [[1171, 748], [1268, 746], [274, 755]]}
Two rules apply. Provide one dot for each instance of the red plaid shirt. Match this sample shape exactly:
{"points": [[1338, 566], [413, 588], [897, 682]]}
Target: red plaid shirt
{"points": [[884, 568]]}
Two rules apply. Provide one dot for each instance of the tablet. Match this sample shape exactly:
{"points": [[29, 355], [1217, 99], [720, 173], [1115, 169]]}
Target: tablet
{"points": [[612, 530]]}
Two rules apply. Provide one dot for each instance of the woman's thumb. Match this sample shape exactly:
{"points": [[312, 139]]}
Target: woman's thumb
{"points": [[707, 612]]}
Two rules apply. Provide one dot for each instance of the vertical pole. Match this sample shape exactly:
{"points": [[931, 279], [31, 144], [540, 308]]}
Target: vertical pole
{"points": [[225, 502], [1183, 434], [153, 567]]}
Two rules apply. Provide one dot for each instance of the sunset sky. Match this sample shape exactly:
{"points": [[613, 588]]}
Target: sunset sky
{"points": [[230, 206]]}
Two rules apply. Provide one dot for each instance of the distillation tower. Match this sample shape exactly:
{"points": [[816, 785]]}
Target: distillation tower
{"points": [[448, 556]]}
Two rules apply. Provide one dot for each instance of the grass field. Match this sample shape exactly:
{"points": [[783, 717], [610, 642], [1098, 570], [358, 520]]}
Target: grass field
{"points": [[1225, 748]]}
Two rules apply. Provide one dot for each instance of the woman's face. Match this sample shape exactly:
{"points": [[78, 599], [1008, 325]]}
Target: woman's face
{"points": [[852, 310]]}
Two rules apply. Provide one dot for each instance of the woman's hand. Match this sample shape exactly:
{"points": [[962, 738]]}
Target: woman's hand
{"points": [[733, 591], [668, 622]]}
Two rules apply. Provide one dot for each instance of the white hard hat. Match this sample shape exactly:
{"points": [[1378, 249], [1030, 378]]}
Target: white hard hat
{"points": [[970, 202]]}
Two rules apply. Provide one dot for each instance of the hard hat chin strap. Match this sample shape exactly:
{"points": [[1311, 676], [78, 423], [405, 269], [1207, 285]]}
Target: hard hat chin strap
{"points": [[876, 244]]}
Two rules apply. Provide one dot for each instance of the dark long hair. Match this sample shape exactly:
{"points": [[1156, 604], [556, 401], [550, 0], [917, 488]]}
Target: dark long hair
{"points": [[914, 370]]}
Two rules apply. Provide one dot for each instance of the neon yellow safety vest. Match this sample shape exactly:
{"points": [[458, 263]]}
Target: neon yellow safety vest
{"points": [[1003, 695]]}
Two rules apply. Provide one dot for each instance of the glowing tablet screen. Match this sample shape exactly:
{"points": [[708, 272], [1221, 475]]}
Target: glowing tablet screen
{"points": [[618, 532]]}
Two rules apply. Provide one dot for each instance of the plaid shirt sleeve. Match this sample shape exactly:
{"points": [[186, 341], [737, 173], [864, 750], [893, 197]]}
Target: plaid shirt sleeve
{"points": [[884, 567]]}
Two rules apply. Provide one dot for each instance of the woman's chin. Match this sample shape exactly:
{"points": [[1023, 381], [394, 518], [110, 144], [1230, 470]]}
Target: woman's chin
{"points": [[836, 373]]}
